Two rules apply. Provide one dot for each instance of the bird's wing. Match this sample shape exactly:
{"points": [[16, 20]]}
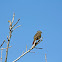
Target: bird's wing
{"points": [[37, 35]]}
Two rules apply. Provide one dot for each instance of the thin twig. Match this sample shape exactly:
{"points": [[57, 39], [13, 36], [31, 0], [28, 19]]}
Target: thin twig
{"points": [[27, 51], [26, 47], [2, 44], [10, 34], [5, 48], [1, 55], [10, 27], [1, 51], [23, 54], [16, 23], [38, 48], [45, 58], [13, 18], [5, 42], [32, 52], [16, 27]]}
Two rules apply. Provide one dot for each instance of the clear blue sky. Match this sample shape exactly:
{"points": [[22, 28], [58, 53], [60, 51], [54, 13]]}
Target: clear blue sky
{"points": [[44, 15]]}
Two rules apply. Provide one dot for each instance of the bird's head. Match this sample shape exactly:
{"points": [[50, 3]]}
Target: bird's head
{"points": [[39, 31]]}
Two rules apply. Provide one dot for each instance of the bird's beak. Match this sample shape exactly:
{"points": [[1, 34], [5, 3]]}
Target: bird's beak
{"points": [[41, 32]]}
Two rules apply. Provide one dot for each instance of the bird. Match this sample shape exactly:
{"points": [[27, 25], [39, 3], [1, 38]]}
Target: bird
{"points": [[37, 36]]}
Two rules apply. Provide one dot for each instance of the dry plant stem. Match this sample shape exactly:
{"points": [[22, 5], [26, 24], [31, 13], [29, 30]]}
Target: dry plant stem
{"points": [[16, 23], [2, 43], [16, 27], [2, 50], [23, 54], [10, 27], [27, 51], [26, 47], [38, 48], [13, 18], [8, 45], [1, 55], [5, 48], [32, 52], [45, 58]]}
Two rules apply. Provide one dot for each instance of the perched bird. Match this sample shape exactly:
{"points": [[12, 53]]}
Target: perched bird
{"points": [[37, 36]]}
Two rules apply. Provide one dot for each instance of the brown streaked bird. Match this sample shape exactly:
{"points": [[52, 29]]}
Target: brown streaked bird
{"points": [[37, 36]]}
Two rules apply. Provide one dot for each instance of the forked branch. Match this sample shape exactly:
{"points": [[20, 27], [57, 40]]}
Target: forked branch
{"points": [[28, 50], [10, 34]]}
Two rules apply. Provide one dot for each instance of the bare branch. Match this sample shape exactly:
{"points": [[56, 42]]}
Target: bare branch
{"points": [[32, 52], [1, 51], [27, 51], [5, 48], [1, 55], [2, 44], [13, 18], [10, 28], [38, 48], [8, 46], [7, 37], [16, 27], [10, 34], [10, 23], [16, 23], [26, 47], [45, 58], [23, 52]]}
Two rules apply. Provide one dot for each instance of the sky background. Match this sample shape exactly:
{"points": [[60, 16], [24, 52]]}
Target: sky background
{"points": [[43, 15]]}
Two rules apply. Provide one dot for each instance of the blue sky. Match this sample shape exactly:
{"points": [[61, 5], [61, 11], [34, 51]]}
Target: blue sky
{"points": [[44, 15]]}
